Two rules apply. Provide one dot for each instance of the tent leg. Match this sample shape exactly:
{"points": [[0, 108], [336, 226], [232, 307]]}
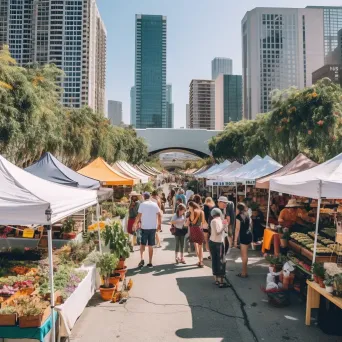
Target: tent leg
{"points": [[218, 191], [52, 290], [268, 206], [98, 225], [212, 191], [236, 194], [245, 190], [316, 232]]}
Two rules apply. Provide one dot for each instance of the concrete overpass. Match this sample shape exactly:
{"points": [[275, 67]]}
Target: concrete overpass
{"points": [[161, 140]]}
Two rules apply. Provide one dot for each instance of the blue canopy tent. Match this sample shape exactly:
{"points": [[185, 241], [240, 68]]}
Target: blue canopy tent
{"points": [[50, 168]]}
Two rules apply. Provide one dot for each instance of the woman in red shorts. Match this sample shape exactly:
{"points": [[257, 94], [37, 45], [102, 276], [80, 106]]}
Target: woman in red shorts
{"points": [[133, 211]]}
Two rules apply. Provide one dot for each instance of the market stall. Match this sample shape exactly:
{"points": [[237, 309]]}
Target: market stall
{"points": [[130, 171], [29, 200], [320, 183]]}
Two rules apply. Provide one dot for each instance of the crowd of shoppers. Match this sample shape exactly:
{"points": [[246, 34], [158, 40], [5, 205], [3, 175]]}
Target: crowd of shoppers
{"points": [[215, 227]]}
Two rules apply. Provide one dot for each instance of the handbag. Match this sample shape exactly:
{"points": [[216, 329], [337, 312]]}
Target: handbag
{"points": [[173, 230]]}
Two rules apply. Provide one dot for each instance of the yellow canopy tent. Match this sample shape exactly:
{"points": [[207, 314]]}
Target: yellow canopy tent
{"points": [[100, 170]]}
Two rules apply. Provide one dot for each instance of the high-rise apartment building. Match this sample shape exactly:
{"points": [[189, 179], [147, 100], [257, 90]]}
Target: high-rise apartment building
{"points": [[202, 104], [115, 112], [150, 71], [169, 107], [228, 100], [281, 47], [221, 65], [70, 34], [187, 114], [133, 108]]}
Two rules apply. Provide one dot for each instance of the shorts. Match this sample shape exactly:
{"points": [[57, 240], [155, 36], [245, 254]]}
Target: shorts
{"points": [[148, 237], [206, 231]]}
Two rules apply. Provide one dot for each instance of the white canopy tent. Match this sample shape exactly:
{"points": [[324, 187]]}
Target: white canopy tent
{"points": [[26, 199], [144, 178], [322, 181], [230, 168], [215, 168]]}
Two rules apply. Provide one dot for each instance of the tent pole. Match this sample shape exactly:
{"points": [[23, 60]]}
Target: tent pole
{"points": [[212, 191], [218, 191], [317, 219], [236, 194], [268, 206], [52, 290], [245, 189], [98, 225]]}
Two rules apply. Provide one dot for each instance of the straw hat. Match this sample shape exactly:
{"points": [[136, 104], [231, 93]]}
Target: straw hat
{"points": [[134, 193], [292, 203]]}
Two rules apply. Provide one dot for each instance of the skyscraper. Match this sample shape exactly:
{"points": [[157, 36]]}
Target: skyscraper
{"points": [[221, 65], [115, 112], [133, 108], [150, 71], [228, 100], [169, 106], [202, 104], [69, 34], [281, 47], [187, 114]]}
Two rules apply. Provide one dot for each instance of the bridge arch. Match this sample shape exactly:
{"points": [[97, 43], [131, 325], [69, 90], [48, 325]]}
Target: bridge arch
{"points": [[194, 141]]}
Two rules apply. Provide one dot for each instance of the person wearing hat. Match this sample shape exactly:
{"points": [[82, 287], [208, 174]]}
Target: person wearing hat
{"points": [[293, 214], [216, 246], [133, 211], [228, 209]]}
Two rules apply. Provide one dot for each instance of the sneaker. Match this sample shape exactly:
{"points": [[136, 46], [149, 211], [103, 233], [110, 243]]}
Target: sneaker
{"points": [[149, 265], [141, 263]]}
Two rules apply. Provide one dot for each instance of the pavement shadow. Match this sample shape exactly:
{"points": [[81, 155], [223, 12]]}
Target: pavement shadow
{"points": [[160, 270], [213, 314]]}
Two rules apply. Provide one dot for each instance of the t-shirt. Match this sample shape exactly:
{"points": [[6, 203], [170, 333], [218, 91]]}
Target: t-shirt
{"points": [[133, 211], [148, 211], [182, 197], [188, 194], [178, 221]]}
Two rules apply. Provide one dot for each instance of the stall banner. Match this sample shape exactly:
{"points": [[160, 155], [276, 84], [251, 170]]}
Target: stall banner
{"points": [[249, 182], [28, 233], [224, 183]]}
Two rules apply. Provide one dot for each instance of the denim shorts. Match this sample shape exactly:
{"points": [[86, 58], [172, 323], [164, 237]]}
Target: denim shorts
{"points": [[148, 237]]}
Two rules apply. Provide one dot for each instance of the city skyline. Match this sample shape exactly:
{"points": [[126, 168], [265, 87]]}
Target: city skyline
{"points": [[191, 44]]}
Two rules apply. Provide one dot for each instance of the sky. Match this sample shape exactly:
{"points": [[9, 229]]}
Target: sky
{"points": [[197, 32]]}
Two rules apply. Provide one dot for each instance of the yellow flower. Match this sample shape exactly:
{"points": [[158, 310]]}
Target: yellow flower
{"points": [[314, 94], [5, 85]]}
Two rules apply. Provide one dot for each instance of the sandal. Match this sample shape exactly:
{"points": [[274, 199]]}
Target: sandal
{"points": [[240, 275], [200, 265], [177, 261], [217, 283], [224, 285], [183, 261]]}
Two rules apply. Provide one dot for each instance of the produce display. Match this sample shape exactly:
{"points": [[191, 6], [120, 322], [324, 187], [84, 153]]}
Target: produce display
{"points": [[24, 285], [324, 246]]}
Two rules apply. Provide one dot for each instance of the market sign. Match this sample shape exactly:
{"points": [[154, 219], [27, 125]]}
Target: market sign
{"points": [[28, 233], [224, 183]]}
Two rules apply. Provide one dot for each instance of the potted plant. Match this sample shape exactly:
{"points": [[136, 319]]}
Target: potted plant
{"points": [[122, 212], [329, 283], [68, 229], [106, 263], [338, 285], [8, 316], [318, 271], [118, 242]]}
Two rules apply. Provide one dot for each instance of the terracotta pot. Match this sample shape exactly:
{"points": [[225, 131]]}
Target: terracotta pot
{"points": [[315, 278], [69, 236], [286, 282], [121, 264], [122, 273], [114, 279], [321, 282], [107, 292]]}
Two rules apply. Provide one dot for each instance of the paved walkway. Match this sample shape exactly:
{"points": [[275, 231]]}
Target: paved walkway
{"points": [[176, 302]]}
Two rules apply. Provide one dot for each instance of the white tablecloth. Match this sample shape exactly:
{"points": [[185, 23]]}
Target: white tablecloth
{"points": [[76, 303]]}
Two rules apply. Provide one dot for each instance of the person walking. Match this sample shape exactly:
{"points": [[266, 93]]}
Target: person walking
{"points": [[194, 223], [198, 199], [227, 208], [163, 202], [149, 215], [188, 194], [132, 215], [178, 221], [170, 198], [217, 248], [155, 198], [243, 232], [181, 196], [209, 205]]}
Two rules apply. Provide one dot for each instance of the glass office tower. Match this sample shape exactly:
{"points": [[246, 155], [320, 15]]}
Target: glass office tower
{"points": [[150, 71]]}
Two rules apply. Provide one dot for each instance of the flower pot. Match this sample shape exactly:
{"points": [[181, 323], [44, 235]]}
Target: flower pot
{"points": [[121, 264], [283, 243], [114, 279], [122, 273], [315, 278], [321, 282], [34, 321], [9, 319], [329, 289], [107, 292], [286, 282], [69, 236]]}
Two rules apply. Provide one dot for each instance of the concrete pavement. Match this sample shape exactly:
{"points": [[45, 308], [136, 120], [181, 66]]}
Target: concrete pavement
{"points": [[176, 302]]}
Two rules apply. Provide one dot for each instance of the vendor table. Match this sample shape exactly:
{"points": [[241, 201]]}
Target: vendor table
{"points": [[33, 243], [270, 235], [75, 304], [313, 299]]}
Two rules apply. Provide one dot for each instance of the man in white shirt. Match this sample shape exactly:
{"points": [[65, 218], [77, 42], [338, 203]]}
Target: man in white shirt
{"points": [[188, 194], [150, 217]]}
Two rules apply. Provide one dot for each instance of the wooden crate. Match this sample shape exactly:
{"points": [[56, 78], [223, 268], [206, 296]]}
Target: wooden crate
{"points": [[34, 321], [8, 320]]}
